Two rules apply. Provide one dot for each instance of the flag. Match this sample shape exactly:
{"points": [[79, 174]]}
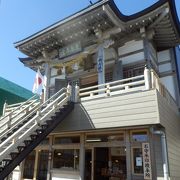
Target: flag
{"points": [[38, 82]]}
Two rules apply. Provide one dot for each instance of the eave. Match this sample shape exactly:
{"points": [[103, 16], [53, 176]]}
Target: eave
{"points": [[105, 15]]}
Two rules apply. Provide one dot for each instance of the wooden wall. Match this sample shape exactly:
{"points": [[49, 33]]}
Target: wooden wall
{"points": [[131, 109], [170, 119]]}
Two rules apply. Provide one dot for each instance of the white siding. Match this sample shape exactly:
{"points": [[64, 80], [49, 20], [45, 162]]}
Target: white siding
{"points": [[130, 46], [164, 56], [171, 121]]}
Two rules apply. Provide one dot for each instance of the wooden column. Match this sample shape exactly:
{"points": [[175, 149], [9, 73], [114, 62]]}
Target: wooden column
{"points": [[36, 164], [46, 81], [50, 158], [82, 156], [128, 155]]}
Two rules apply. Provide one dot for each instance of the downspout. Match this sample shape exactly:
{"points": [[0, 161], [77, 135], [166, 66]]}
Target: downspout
{"points": [[164, 152]]}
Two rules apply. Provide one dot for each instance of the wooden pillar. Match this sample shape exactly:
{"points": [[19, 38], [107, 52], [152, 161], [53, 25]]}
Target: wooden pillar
{"points": [[82, 156], [46, 81], [36, 164], [128, 155], [50, 158]]}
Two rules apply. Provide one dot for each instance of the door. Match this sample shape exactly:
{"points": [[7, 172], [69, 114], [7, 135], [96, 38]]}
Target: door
{"points": [[42, 164], [100, 163]]}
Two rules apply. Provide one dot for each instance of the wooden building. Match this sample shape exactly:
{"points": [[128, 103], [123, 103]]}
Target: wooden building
{"points": [[122, 76]]}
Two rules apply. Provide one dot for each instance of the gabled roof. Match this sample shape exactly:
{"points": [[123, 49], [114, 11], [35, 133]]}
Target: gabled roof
{"points": [[161, 17], [15, 89]]}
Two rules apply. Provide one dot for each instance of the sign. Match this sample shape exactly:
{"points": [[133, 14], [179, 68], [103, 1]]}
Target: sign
{"points": [[70, 49], [139, 161], [146, 161]]}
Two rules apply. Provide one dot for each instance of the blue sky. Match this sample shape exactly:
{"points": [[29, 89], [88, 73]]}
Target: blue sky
{"points": [[21, 18]]}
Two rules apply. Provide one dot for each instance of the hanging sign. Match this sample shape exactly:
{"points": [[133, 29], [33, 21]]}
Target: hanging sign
{"points": [[70, 49], [146, 161]]}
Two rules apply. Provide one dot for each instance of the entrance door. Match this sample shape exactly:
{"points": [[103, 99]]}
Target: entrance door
{"points": [[101, 156], [42, 165], [88, 164]]}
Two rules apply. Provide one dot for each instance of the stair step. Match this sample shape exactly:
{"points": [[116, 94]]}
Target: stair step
{"points": [[13, 154], [5, 162], [27, 142], [20, 148], [39, 131], [44, 126], [33, 136]]}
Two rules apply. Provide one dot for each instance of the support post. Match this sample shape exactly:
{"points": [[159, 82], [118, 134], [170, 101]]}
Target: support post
{"points": [[76, 96], [128, 155], [82, 156], [69, 91], [46, 81], [4, 108], [147, 78]]}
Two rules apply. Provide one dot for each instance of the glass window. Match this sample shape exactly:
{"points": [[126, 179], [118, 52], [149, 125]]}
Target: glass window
{"points": [[66, 159], [29, 166], [66, 140], [105, 138], [140, 136], [42, 164], [137, 160]]}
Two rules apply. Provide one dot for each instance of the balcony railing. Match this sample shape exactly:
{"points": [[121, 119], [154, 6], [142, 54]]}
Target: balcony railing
{"points": [[149, 80], [113, 88]]}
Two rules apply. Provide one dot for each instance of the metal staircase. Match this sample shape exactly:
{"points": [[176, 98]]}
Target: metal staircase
{"points": [[19, 137]]}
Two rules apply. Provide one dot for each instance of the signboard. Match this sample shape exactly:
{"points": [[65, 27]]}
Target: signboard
{"points": [[139, 161], [70, 49], [146, 161]]}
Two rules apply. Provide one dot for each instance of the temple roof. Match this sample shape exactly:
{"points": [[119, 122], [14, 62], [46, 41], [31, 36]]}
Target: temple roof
{"points": [[160, 18]]}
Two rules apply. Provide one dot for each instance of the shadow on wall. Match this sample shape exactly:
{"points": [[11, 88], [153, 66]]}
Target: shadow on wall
{"points": [[78, 119]]}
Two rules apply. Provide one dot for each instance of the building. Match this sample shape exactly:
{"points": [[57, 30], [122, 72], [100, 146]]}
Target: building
{"points": [[123, 77], [11, 93]]}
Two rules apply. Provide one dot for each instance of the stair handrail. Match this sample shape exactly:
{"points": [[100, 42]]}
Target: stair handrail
{"points": [[5, 131], [16, 123], [19, 107], [9, 120], [36, 120]]}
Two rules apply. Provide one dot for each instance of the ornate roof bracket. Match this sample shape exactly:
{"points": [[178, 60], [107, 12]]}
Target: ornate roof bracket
{"points": [[159, 19]]}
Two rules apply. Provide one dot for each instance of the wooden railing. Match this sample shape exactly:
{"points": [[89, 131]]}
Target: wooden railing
{"points": [[116, 87], [149, 80], [157, 84]]}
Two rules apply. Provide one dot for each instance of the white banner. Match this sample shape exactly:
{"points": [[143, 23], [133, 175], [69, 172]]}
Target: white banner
{"points": [[146, 161]]}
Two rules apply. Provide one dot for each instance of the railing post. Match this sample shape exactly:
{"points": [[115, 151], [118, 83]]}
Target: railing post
{"points": [[69, 91], [76, 96], [108, 90], [4, 108], [147, 78]]}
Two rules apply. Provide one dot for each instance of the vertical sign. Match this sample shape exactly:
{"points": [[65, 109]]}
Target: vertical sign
{"points": [[146, 161], [100, 65]]}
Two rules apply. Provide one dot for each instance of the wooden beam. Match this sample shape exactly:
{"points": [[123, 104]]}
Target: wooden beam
{"points": [[113, 17], [159, 19]]}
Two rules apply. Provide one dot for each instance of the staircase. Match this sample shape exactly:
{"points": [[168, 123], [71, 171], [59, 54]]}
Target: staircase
{"points": [[20, 136]]}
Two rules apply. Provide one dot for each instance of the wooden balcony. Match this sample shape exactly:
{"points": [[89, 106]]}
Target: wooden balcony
{"points": [[136, 101]]}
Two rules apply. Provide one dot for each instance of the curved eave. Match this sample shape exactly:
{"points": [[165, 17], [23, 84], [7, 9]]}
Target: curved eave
{"points": [[124, 21], [61, 22]]}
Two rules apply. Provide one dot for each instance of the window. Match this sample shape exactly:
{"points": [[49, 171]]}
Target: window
{"points": [[137, 160], [67, 140], [105, 138], [66, 159], [139, 136]]}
